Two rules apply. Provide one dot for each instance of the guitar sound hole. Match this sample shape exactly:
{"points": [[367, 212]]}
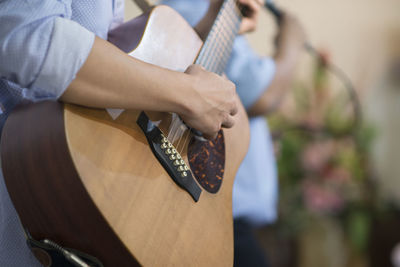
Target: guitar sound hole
{"points": [[207, 162]]}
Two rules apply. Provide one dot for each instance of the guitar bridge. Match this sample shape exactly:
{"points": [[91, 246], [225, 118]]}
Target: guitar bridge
{"points": [[169, 157]]}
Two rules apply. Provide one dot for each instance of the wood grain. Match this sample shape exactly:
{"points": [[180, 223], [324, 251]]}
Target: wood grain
{"points": [[47, 192]]}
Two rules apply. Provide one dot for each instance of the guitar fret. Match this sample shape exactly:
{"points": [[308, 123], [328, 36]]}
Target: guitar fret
{"points": [[209, 61], [211, 48], [218, 46]]}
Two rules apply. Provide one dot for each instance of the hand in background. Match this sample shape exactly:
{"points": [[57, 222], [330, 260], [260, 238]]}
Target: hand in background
{"points": [[251, 10]]}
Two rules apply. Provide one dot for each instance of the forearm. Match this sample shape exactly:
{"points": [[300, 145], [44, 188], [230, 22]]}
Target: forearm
{"points": [[291, 40], [270, 100], [205, 24], [111, 79]]}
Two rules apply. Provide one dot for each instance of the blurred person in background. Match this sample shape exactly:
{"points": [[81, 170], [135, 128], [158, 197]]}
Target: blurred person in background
{"points": [[261, 83]]}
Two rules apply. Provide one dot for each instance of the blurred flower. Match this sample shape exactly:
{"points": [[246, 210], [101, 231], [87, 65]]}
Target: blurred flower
{"points": [[316, 155], [324, 56], [311, 120], [322, 199], [322, 161], [338, 175]]}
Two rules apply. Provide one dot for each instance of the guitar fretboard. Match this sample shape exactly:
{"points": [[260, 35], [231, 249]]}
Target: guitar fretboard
{"points": [[217, 48]]}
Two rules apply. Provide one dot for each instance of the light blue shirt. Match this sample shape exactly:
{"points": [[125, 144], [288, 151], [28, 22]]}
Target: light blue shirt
{"points": [[255, 189], [43, 44]]}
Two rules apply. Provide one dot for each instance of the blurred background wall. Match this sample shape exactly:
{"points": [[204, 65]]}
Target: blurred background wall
{"points": [[363, 38]]}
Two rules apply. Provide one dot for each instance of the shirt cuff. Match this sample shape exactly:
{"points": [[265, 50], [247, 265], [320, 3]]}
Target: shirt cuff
{"points": [[69, 48]]}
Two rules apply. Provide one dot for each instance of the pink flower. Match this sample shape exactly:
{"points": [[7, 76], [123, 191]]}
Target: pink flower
{"points": [[321, 199], [316, 155], [312, 120], [325, 57], [338, 175]]}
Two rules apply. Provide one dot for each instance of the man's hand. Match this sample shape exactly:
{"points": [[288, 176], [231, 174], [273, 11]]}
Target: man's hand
{"points": [[215, 105], [251, 10], [204, 100]]}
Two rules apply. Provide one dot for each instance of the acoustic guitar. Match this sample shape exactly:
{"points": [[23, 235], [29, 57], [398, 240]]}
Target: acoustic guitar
{"points": [[133, 188]]}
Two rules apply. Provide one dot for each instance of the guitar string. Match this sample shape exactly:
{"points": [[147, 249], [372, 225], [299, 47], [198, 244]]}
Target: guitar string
{"points": [[213, 41], [223, 29], [221, 52], [184, 143], [210, 45], [171, 128], [209, 64], [225, 36], [225, 14], [177, 122], [183, 129], [207, 50], [217, 47], [220, 58], [174, 125], [228, 33]]}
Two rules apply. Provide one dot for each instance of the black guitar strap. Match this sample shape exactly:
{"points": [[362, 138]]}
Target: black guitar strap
{"points": [[144, 5], [51, 254]]}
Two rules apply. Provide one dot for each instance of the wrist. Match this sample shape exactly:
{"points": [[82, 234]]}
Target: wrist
{"points": [[288, 53], [185, 98]]}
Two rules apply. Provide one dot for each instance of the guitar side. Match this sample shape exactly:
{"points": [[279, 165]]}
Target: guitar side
{"points": [[112, 198]]}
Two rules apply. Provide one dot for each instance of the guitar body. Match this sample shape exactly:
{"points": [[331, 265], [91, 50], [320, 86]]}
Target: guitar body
{"points": [[88, 181]]}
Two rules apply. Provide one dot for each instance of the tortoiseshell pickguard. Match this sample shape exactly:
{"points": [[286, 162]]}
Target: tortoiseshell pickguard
{"points": [[207, 161]]}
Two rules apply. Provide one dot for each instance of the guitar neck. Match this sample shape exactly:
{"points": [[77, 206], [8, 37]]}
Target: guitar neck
{"points": [[217, 47]]}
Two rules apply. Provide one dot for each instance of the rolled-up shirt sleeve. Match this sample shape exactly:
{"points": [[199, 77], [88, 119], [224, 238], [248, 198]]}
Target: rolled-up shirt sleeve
{"points": [[41, 49]]}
